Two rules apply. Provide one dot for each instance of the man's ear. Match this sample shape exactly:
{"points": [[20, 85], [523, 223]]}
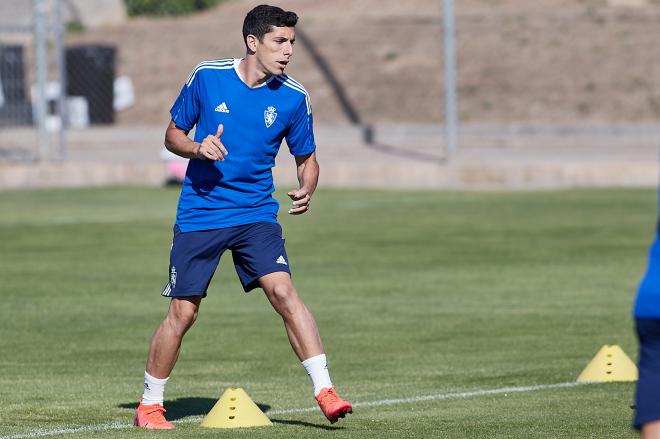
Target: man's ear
{"points": [[252, 42]]}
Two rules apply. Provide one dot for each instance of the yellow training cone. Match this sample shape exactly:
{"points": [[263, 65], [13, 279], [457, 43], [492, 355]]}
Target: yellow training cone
{"points": [[609, 364], [235, 409]]}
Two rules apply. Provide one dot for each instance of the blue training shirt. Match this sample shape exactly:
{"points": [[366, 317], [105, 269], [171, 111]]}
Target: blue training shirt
{"points": [[647, 302], [239, 189]]}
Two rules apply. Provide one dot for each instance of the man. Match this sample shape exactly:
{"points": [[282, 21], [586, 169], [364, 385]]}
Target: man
{"points": [[647, 320], [242, 109]]}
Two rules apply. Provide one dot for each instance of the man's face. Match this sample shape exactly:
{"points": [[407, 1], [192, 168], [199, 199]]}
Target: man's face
{"points": [[276, 50]]}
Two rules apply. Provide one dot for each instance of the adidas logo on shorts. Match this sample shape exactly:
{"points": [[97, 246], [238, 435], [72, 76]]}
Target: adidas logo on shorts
{"points": [[281, 260]]}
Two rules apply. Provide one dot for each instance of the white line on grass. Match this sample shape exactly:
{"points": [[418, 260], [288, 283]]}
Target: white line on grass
{"points": [[59, 431], [441, 396], [191, 419]]}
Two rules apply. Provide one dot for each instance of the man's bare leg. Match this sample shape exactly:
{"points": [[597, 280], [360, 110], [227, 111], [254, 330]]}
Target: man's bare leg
{"points": [[165, 343], [305, 341], [298, 320], [163, 353], [651, 430]]}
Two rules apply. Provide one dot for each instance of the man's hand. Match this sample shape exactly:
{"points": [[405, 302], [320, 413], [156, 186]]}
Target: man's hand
{"points": [[301, 199], [212, 148]]}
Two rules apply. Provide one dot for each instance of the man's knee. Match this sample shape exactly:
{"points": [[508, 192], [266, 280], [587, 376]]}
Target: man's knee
{"points": [[182, 314], [284, 298]]}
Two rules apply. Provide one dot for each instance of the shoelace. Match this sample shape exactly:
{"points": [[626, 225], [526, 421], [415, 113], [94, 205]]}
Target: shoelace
{"points": [[330, 397], [154, 409]]}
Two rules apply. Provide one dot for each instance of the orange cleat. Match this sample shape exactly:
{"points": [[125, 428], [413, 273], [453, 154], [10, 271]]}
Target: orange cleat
{"points": [[332, 406], [152, 417]]}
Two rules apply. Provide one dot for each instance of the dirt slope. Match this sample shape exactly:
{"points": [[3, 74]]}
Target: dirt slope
{"points": [[561, 61]]}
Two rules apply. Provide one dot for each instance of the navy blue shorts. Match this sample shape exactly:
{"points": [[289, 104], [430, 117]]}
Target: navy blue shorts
{"points": [[647, 400], [257, 250]]}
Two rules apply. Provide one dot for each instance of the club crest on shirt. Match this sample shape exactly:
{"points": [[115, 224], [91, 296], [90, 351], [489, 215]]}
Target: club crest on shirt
{"points": [[269, 116]]}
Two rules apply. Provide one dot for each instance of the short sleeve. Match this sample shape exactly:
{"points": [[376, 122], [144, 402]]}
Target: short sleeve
{"points": [[300, 138], [185, 110]]}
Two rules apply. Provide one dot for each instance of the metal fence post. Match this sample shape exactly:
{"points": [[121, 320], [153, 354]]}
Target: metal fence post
{"points": [[62, 109], [39, 24], [451, 115]]}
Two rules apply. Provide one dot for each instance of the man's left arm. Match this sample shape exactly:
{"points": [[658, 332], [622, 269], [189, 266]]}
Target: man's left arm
{"points": [[308, 178]]}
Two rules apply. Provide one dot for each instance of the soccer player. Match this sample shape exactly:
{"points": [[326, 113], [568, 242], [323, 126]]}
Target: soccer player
{"points": [[241, 110], [647, 319]]}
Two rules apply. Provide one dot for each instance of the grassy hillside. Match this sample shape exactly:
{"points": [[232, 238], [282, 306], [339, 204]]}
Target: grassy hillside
{"points": [[559, 61]]}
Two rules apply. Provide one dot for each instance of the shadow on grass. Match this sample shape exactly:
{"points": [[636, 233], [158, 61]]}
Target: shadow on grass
{"points": [[183, 407], [197, 406], [305, 424]]}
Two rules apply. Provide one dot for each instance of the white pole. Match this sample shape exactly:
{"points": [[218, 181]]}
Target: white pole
{"points": [[451, 115], [61, 73], [39, 23]]}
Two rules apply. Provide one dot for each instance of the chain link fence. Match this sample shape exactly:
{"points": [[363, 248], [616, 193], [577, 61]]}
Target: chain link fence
{"points": [[16, 75], [15, 106], [47, 88], [32, 106]]}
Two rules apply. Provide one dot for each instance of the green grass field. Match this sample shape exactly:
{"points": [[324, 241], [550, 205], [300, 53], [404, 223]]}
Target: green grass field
{"points": [[445, 295]]}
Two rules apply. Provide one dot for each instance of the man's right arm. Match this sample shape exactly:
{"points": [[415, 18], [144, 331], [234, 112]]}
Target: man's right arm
{"points": [[178, 142]]}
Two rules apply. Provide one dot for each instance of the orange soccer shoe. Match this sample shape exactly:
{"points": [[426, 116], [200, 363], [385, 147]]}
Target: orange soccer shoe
{"points": [[152, 417], [332, 406]]}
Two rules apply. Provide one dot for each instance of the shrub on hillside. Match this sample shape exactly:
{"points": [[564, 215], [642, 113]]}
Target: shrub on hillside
{"points": [[167, 7]]}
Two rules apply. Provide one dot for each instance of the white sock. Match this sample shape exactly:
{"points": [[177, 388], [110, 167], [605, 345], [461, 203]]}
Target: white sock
{"points": [[154, 389], [317, 369]]}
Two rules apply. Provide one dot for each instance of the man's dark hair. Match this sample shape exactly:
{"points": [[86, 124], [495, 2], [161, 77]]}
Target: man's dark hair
{"points": [[261, 20]]}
